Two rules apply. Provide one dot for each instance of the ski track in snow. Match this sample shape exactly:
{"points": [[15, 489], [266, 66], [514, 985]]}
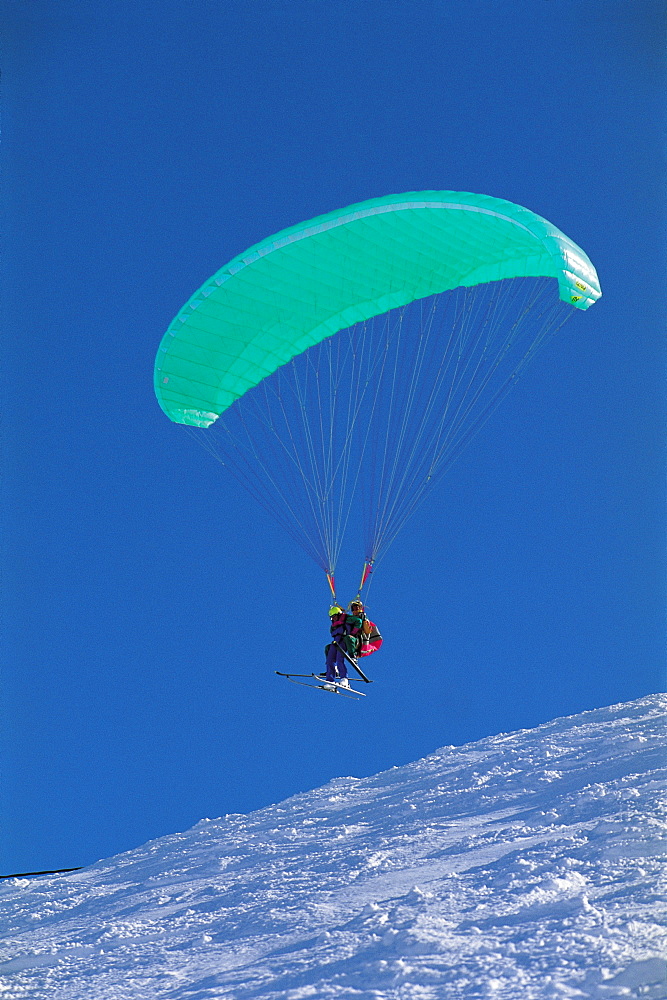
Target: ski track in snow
{"points": [[527, 865]]}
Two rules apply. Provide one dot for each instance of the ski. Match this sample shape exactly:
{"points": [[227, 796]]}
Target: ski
{"points": [[353, 662], [319, 677], [334, 689]]}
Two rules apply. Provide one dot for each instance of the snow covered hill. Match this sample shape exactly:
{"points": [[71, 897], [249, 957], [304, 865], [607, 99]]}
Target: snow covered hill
{"points": [[526, 865]]}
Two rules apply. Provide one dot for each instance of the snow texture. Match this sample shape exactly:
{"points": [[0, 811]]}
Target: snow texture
{"points": [[527, 865]]}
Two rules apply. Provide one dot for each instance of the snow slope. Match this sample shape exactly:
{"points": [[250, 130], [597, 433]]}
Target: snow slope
{"points": [[526, 865]]}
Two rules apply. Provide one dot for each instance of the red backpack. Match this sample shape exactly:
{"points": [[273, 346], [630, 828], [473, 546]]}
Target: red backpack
{"points": [[371, 640]]}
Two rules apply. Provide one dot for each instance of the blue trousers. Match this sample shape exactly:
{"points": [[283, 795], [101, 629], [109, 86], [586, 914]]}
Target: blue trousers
{"points": [[335, 661]]}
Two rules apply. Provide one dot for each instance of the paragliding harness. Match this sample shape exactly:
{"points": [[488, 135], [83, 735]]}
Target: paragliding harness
{"points": [[371, 640], [366, 639], [344, 634]]}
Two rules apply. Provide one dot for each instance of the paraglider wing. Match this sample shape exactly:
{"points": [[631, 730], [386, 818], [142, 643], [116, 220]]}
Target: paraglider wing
{"points": [[305, 283], [352, 357]]}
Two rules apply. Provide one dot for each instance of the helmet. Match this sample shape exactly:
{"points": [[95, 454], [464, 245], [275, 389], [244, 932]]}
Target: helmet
{"points": [[335, 610], [356, 603]]}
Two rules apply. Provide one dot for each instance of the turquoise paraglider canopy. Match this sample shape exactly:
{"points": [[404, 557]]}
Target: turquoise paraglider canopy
{"points": [[349, 359]]}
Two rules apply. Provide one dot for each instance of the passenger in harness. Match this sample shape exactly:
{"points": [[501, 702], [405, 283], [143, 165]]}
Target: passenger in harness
{"points": [[352, 632], [346, 630]]}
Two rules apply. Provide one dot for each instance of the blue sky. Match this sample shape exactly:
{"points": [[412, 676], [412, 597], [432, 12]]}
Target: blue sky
{"points": [[146, 600]]}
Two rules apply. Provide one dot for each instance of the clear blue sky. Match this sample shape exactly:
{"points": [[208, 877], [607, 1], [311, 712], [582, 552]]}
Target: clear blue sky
{"points": [[146, 601]]}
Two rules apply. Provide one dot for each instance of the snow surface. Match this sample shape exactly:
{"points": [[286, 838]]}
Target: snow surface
{"points": [[527, 865]]}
